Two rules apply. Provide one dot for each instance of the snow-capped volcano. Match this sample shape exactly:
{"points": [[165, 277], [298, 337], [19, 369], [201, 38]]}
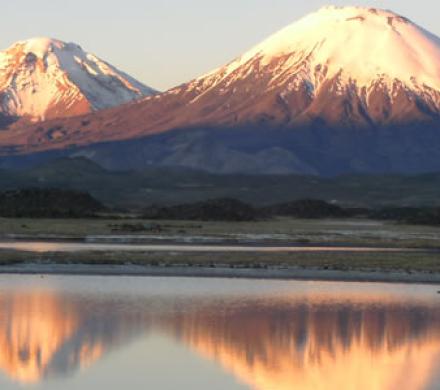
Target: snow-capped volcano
{"points": [[363, 44], [341, 90], [346, 64], [43, 78]]}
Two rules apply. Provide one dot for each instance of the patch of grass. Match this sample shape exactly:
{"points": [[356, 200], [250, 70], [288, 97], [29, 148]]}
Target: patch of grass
{"points": [[280, 230]]}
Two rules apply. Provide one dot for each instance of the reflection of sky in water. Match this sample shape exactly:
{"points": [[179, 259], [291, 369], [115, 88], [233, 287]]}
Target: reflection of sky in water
{"points": [[169, 333]]}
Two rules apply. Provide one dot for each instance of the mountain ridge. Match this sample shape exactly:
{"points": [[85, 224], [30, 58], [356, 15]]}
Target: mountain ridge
{"points": [[286, 103]]}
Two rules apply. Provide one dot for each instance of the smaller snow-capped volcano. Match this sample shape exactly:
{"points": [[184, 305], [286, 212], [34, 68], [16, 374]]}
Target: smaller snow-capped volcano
{"points": [[45, 78]]}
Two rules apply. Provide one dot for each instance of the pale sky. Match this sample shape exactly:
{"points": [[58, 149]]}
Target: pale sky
{"points": [[164, 43]]}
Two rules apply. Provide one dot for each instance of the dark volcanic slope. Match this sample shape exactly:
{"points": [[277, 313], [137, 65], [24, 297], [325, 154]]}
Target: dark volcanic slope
{"points": [[343, 90]]}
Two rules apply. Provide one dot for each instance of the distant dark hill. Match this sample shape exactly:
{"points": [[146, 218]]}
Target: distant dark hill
{"points": [[306, 208], [411, 215], [210, 210], [170, 186], [48, 203], [234, 210]]}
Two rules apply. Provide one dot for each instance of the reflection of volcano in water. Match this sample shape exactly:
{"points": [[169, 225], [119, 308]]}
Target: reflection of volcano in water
{"points": [[271, 343], [33, 327], [317, 346], [44, 335]]}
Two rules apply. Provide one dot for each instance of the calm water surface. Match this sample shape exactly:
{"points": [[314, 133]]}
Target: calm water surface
{"points": [[70, 332]]}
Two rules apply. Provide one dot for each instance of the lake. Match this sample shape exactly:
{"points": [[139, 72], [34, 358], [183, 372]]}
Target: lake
{"points": [[92, 332]]}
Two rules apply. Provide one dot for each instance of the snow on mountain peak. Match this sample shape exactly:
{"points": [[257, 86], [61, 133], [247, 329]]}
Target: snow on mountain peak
{"points": [[360, 44], [40, 46], [43, 78]]}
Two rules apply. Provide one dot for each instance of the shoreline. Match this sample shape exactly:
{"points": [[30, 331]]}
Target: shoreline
{"points": [[221, 271]]}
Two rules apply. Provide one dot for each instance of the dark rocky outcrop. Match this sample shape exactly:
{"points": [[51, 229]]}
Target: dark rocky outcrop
{"points": [[48, 203], [306, 208]]}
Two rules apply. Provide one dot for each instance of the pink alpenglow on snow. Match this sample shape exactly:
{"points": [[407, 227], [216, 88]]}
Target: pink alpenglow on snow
{"points": [[44, 78]]}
